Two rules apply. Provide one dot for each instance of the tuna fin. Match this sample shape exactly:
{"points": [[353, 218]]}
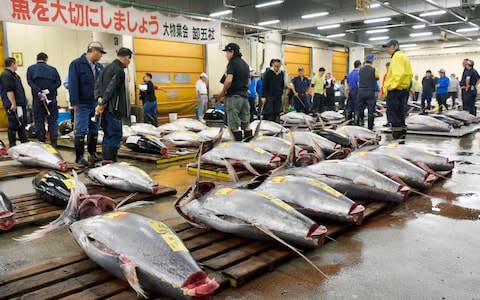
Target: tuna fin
{"points": [[54, 226], [209, 145], [254, 183], [318, 150], [291, 158], [231, 170], [427, 169], [134, 205], [125, 200], [129, 270], [250, 168], [275, 237], [307, 122]]}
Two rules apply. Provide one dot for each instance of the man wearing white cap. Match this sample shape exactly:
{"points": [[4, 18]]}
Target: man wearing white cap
{"points": [[442, 90], [202, 95], [252, 93]]}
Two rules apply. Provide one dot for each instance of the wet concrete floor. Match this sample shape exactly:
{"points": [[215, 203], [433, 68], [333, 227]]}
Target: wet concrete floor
{"points": [[426, 248]]}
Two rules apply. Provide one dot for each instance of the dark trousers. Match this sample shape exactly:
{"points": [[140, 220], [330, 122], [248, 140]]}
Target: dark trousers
{"points": [[318, 103], [396, 112], [84, 124], [366, 98], [17, 126], [468, 99], [426, 97], [442, 101], [330, 100], [452, 95], [341, 102], [150, 112], [302, 104], [272, 108], [40, 115], [351, 104], [112, 130], [253, 111], [415, 96]]}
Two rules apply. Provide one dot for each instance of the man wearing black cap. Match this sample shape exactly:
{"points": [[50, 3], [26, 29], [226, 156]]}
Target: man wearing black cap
{"points": [[299, 87], [44, 81], [111, 92], [235, 90], [469, 87], [82, 74], [368, 77], [428, 88], [147, 95], [396, 88]]}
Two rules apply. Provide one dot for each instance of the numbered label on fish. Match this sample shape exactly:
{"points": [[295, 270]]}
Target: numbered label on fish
{"points": [[223, 145], [69, 183], [133, 139], [324, 187], [116, 215], [172, 240], [256, 149], [362, 154], [225, 192], [134, 168], [279, 179], [49, 148], [278, 202]]}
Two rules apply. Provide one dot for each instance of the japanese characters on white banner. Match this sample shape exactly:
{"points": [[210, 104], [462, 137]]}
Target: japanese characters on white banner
{"points": [[104, 17]]}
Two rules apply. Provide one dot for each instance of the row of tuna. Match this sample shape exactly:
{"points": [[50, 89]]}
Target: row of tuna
{"points": [[441, 122]]}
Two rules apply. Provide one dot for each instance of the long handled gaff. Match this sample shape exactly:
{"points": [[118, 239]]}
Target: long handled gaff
{"points": [[44, 100]]}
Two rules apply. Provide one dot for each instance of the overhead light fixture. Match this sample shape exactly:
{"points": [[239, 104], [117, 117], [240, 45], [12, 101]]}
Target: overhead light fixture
{"points": [[269, 22], [375, 5], [426, 33], [469, 29], [450, 45], [328, 26], [419, 26], [265, 4], [408, 45], [433, 13], [473, 24], [221, 13], [379, 38], [377, 20], [336, 35], [432, 2], [315, 15], [376, 31]]}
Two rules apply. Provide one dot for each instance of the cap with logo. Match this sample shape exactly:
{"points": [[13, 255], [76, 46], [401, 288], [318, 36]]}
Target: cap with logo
{"points": [[390, 43], [370, 58], [96, 45], [124, 52], [232, 47]]}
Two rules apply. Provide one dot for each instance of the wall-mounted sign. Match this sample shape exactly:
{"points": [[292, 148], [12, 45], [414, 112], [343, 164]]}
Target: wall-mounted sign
{"points": [[18, 57]]}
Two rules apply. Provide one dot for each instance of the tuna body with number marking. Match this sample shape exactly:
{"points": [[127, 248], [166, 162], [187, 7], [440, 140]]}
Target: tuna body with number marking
{"points": [[145, 143], [35, 154]]}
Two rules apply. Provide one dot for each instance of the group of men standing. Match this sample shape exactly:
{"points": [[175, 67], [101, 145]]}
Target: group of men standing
{"points": [[99, 97]]}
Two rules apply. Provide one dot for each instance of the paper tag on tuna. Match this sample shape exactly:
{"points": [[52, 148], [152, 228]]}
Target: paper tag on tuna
{"points": [[392, 145], [116, 215], [256, 149], [430, 152], [170, 238], [324, 187], [362, 154], [279, 179], [138, 170], [225, 192], [69, 183], [49, 148], [132, 139], [286, 142], [278, 202], [223, 145]]}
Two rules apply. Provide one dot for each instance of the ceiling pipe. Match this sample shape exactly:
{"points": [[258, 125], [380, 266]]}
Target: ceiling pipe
{"points": [[400, 25], [448, 10], [395, 9]]}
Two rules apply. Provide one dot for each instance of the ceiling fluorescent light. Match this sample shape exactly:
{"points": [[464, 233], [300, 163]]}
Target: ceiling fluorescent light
{"points": [[419, 26], [379, 38], [221, 13], [377, 20], [375, 5], [328, 26], [473, 24], [433, 13], [467, 29], [432, 2], [269, 22], [269, 3], [336, 35], [421, 34], [408, 45], [376, 31], [320, 14]]}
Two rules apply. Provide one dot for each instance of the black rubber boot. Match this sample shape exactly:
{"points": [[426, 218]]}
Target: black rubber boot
{"points": [[53, 141], [22, 135], [80, 150], [12, 138], [247, 135], [94, 157], [370, 123], [237, 135], [109, 155]]}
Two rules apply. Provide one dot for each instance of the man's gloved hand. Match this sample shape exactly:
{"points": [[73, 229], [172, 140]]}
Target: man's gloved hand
{"points": [[100, 107]]}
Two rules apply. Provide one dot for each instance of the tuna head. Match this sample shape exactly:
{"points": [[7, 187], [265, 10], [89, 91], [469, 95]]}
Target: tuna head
{"points": [[3, 148], [143, 252], [7, 219], [38, 155], [54, 186]]}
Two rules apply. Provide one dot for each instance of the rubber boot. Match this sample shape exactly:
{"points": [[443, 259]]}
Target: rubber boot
{"points": [[12, 138], [94, 157], [80, 150], [109, 155], [247, 135], [370, 123], [237, 135], [53, 141], [22, 135]]}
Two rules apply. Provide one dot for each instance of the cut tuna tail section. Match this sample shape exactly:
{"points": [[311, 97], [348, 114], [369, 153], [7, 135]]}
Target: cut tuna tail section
{"points": [[275, 237], [199, 286], [130, 273], [356, 212]]}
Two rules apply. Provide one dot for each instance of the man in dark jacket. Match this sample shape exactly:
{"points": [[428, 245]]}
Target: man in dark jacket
{"points": [[82, 74], [14, 101], [368, 77], [147, 95], [44, 81], [273, 85], [113, 104], [428, 84]]}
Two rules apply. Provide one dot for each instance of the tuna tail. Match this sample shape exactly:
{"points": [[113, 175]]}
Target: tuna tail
{"points": [[318, 150], [124, 201], [397, 179], [275, 237], [209, 145], [231, 171], [130, 273]]}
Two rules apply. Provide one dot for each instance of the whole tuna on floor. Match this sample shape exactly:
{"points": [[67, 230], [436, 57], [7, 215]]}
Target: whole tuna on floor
{"points": [[312, 197], [359, 135], [54, 187], [426, 123], [127, 131], [124, 176], [419, 156], [145, 128], [145, 253], [146, 144], [464, 116], [394, 167], [36, 154], [335, 136], [243, 212], [184, 138], [7, 218], [355, 181], [450, 121], [212, 132], [275, 145], [268, 127], [297, 118], [310, 140], [332, 117], [190, 124]]}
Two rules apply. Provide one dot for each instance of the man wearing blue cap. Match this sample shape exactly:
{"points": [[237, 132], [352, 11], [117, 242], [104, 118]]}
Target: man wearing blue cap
{"points": [[367, 82], [352, 89], [396, 88]]}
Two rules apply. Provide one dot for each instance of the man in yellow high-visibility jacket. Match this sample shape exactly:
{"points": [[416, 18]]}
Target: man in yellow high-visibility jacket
{"points": [[396, 88]]}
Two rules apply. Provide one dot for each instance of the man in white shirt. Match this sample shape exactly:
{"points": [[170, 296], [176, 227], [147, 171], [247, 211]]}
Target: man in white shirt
{"points": [[202, 95], [453, 89]]}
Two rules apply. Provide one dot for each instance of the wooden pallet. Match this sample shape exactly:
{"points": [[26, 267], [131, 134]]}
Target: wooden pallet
{"points": [[232, 261], [5, 157], [31, 209], [12, 171], [215, 172]]}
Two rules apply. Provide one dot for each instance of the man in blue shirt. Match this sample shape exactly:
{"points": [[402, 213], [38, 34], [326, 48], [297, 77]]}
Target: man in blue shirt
{"points": [[252, 93], [44, 81], [352, 90], [82, 74], [299, 87], [442, 90]]}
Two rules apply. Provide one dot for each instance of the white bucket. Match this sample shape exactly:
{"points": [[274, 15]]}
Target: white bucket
{"points": [[133, 119], [172, 117]]}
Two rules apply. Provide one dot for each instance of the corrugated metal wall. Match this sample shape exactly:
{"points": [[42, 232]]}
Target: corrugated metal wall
{"points": [[296, 56]]}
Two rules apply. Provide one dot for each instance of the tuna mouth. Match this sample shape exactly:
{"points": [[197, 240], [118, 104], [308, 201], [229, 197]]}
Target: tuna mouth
{"points": [[199, 285], [7, 221], [429, 179], [404, 190], [317, 233], [356, 213], [63, 165]]}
